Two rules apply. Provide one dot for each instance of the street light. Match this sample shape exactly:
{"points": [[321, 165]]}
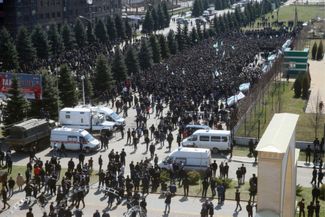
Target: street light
{"points": [[83, 89], [57, 69]]}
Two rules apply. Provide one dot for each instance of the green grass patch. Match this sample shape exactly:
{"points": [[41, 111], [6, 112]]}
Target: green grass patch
{"points": [[306, 194], [283, 101], [287, 13]]}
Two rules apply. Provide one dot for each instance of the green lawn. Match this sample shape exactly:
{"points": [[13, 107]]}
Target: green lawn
{"points": [[287, 13], [305, 130], [306, 194]]}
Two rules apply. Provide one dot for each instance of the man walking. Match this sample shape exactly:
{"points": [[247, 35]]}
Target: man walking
{"points": [[249, 209], [301, 206], [168, 201], [237, 198]]}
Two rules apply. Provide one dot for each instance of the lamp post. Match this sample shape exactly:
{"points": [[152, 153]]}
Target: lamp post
{"points": [[57, 88], [83, 89]]}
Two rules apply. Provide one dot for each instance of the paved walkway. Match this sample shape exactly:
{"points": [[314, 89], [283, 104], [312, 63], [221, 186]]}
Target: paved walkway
{"points": [[317, 86], [95, 200]]}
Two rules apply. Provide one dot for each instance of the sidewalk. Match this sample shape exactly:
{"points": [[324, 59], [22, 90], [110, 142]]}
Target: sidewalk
{"points": [[250, 160], [180, 206]]}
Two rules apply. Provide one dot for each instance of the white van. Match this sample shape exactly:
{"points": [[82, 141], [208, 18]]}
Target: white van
{"points": [[71, 138], [190, 158], [214, 140], [109, 115]]}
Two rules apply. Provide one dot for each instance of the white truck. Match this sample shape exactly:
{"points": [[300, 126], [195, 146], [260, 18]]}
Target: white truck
{"points": [[72, 138], [84, 118], [189, 158]]}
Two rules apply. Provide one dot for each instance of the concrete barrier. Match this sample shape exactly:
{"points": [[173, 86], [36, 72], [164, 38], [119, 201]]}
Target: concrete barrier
{"points": [[243, 141]]}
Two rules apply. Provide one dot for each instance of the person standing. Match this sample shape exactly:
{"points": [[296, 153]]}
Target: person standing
{"points": [[301, 206], [186, 186], [152, 149], [211, 209], [214, 167], [249, 209], [308, 153], [170, 139], [96, 214], [30, 212], [100, 162], [317, 208], [310, 210], [314, 176], [205, 185], [168, 200], [4, 198], [239, 176], [243, 172], [237, 198]]}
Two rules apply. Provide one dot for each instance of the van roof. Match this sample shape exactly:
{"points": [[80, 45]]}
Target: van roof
{"points": [[76, 109], [66, 129], [103, 108], [207, 131], [196, 150], [197, 126]]}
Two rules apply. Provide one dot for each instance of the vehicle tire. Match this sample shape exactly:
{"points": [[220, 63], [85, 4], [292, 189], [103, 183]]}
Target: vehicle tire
{"points": [[215, 151]]}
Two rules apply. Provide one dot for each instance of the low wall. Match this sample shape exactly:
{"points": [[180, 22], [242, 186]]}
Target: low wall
{"points": [[243, 141]]}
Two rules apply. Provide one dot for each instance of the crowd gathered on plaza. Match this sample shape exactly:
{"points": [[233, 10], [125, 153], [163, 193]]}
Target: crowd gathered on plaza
{"points": [[190, 87]]}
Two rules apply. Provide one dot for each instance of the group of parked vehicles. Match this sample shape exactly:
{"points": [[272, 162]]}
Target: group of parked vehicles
{"points": [[72, 130], [75, 125]]}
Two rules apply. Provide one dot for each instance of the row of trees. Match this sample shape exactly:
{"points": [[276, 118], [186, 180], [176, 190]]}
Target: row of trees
{"points": [[317, 52], [302, 85], [27, 47], [199, 6], [156, 18]]}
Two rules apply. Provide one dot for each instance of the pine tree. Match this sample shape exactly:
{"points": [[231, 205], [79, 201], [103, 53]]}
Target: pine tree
{"points": [[297, 86], [67, 87], [66, 37], [100, 32], [148, 24], [145, 55], [161, 17], [118, 66], [305, 86], [25, 49], [111, 29], [314, 51], [197, 8], [185, 36], [172, 43], [205, 4], [155, 47], [56, 44], [50, 99], [320, 51], [164, 50], [80, 34], [8, 52], [166, 14], [179, 38], [120, 28], [40, 43], [217, 5], [128, 30], [132, 61], [194, 36], [89, 92], [17, 107], [103, 82], [90, 34], [155, 19]]}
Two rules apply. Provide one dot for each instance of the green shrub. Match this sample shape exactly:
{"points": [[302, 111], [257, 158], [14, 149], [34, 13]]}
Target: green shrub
{"points": [[226, 182], [193, 177], [322, 192], [298, 190], [164, 175]]}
